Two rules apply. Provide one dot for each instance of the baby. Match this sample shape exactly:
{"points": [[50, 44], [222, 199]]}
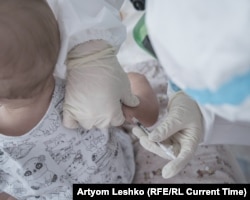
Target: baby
{"points": [[39, 157]]}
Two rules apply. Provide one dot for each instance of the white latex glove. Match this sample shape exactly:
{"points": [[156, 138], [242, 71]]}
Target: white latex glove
{"points": [[181, 128], [96, 87]]}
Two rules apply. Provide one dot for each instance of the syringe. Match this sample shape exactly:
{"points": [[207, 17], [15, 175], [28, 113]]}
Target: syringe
{"points": [[167, 150]]}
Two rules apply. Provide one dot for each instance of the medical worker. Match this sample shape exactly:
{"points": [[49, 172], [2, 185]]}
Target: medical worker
{"points": [[204, 47], [96, 83]]}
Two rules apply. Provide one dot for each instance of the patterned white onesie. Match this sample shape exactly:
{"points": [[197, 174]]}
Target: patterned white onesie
{"points": [[46, 161]]}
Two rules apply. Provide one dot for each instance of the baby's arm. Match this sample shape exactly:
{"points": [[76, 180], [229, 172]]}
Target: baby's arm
{"points": [[148, 110]]}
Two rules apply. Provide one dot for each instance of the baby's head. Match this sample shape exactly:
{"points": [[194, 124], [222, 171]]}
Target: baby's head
{"points": [[30, 43]]}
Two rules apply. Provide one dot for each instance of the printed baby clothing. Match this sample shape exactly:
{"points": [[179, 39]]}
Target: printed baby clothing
{"points": [[46, 161]]}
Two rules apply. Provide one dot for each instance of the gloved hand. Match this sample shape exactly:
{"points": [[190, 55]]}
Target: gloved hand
{"points": [[96, 87], [181, 128]]}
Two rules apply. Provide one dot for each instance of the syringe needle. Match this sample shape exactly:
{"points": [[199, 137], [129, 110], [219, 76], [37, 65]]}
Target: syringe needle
{"points": [[167, 150]]}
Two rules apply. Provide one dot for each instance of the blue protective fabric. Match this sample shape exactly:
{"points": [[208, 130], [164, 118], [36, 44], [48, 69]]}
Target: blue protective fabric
{"points": [[233, 92]]}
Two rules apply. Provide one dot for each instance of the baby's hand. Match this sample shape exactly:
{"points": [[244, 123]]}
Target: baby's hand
{"points": [[148, 109]]}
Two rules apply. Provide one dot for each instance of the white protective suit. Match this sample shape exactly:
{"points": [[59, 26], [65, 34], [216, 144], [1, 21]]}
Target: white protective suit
{"points": [[204, 47], [91, 34]]}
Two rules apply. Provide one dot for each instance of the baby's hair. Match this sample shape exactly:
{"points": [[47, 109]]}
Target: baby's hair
{"points": [[30, 44]]}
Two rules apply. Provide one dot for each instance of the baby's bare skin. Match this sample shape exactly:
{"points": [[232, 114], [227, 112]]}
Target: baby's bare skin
{"points": [[26, 84], [18, 116], [30, 43], [27, 63], [148, 109]]}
